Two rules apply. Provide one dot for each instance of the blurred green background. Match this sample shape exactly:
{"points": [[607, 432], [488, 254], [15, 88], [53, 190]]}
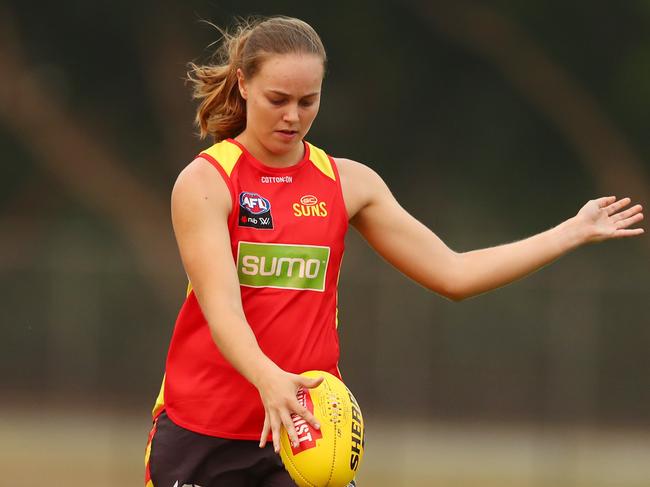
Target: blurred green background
{"points": [[490, 121]]}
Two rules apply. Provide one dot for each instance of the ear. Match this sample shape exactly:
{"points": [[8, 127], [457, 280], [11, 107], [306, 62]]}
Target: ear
{"points": [[241, 84]]}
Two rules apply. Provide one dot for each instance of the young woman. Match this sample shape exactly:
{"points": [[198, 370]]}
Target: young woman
{"points": [[260, 219]]}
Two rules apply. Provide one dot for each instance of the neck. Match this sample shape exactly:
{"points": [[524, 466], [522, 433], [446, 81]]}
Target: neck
{"points": [[286, 159]]}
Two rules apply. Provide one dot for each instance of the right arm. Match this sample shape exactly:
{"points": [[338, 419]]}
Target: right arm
{"points": [[200, 206]]}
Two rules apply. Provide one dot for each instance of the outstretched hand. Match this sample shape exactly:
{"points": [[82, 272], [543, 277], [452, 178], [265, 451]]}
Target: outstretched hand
{"points": [[606, 218], [278, 392]]}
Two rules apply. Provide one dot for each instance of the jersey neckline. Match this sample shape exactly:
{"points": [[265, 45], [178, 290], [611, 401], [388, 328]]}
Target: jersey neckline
{"points": [[276, 170]]}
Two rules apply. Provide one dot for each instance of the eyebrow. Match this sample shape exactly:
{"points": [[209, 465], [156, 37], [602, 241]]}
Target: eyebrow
{"points": [[282, 93]]}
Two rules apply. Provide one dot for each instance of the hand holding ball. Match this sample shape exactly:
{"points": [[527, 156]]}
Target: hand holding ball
{"points": [[330, 456]]}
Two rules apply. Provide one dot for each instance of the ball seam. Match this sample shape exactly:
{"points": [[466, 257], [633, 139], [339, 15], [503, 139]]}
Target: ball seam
{"points": [[297, 471], [333, 460]]}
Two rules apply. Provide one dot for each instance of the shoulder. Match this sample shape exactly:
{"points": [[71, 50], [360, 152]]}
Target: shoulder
{"points": [[356, 172], [361, 184], [200, 183], [198, 174]]}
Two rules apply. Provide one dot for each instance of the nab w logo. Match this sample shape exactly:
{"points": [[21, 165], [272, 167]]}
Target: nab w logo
{"points": [[254, 211]]}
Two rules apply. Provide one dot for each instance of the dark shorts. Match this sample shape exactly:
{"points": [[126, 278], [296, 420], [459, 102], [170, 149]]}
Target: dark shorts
{"points": [[179, 457]]}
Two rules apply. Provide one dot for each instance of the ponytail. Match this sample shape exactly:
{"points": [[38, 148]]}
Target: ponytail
{"points": [[222, 110]]}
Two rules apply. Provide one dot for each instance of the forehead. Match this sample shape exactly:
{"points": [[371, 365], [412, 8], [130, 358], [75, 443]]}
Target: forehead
{"points": [[292, 73]]}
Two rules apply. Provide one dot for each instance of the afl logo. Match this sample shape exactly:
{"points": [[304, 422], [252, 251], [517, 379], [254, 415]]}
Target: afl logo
{"points": [[254, 203]]}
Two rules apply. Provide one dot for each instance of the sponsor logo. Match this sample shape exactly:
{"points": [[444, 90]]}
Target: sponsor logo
{"points": [[254, 203], [357, 433], [310, 206], [276, 179], [307, 435], [282, 266], [254, 211], [308, 200]]}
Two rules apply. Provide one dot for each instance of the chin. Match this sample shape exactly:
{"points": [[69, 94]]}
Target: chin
{"points": [[279, 147]]}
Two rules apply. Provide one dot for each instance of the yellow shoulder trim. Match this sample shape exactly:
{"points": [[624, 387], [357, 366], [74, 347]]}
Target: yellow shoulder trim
{"points": [[226, 154], [319, 158]]}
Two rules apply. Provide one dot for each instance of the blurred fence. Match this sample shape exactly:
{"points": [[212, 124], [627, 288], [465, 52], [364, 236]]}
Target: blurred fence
{"points": [[567, 344]]}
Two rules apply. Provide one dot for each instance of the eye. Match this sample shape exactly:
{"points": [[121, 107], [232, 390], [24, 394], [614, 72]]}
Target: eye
{"points": [[307, 102], [277, 101]]}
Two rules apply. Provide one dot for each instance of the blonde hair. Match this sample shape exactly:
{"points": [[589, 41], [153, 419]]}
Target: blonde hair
{"points": [[222, 110]]}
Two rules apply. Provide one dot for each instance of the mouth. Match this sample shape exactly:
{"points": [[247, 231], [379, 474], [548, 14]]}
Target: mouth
{"points": [[287, 134]]}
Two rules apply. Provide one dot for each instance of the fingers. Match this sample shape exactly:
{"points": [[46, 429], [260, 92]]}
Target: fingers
{"points": [[291, 430], [283, 419], [615, 207], [626, 219], [605, 201], [273, 425], [275, 431], [290, 425], [310, 383], [627, 222], [627, 213], [265, 430], [630, 232], [307, 416], [281, 403], [279, 417]]}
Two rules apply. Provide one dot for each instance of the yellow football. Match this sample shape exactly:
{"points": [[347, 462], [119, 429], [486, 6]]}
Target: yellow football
{"points": [[330, 456]]}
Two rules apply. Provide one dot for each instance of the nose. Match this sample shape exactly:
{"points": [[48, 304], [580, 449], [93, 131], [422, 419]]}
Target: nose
{"points": [[291, 113]]}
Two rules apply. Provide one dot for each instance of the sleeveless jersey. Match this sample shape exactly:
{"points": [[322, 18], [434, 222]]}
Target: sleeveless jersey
{"points": [[287, 229]]}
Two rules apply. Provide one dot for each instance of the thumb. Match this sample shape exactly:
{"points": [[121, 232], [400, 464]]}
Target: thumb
{"points": [[310, 383]]}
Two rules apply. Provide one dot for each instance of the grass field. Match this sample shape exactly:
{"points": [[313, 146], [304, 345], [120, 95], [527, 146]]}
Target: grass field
{"points": [[70, 447]]}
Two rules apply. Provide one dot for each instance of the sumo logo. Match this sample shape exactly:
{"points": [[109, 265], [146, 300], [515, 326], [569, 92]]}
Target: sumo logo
{"points": [[282, 265], [254, 211]]}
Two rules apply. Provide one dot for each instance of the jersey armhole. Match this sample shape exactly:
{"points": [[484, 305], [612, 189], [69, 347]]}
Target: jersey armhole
{"points": [[228, 182], [339, 187]]}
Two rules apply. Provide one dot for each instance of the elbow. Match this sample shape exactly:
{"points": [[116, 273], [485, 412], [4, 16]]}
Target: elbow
{"points": [[455, 294], [455, 288], [457, 298]]}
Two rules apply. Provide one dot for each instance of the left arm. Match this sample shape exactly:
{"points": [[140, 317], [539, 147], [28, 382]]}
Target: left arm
{"points": [[416, 251], [598, 220]]}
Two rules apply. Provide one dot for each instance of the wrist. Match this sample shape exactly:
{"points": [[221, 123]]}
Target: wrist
{"points": [[263, 367], [573, 234]]}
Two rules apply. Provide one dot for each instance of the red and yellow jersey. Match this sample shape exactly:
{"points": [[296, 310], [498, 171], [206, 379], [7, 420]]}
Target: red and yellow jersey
{"points": [[287, 229]]}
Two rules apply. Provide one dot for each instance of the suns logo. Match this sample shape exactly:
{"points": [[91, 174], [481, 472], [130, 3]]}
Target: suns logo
{"points": [[310, 206]]}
